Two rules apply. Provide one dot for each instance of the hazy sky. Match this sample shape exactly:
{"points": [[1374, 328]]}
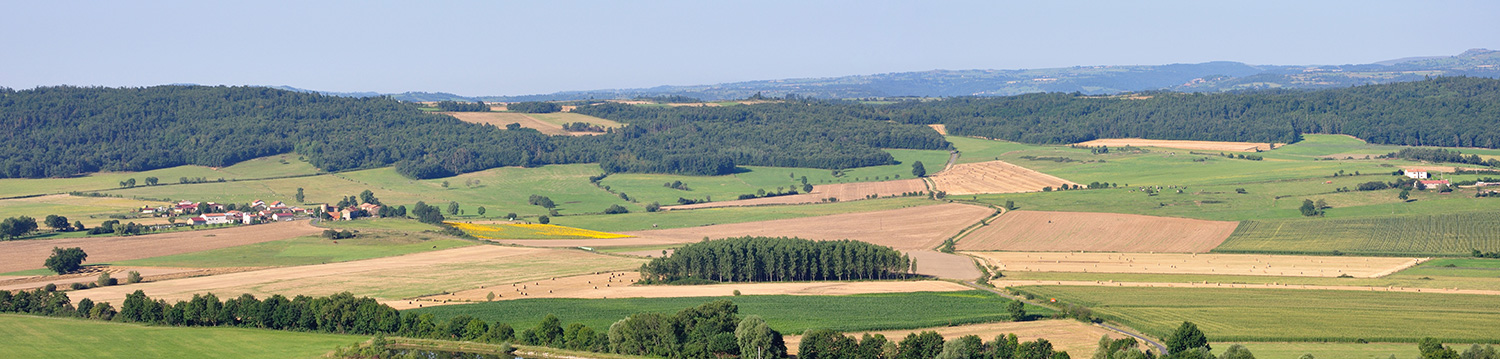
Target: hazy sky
{"points": [[510, 48]]}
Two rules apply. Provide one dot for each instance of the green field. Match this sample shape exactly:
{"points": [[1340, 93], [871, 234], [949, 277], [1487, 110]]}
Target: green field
{"points": [[310, 250], [42, 337], [1457, 267], [1447, 234], [981, 150], [264, 167], [1291, 314], [1264, 350], [785, 313], [1444, 278], [636, 221], [647, 188]]}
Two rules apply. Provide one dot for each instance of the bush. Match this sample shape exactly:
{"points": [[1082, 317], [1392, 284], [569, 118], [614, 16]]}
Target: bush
{"points": [[653, 207], [133, 277], [105, 280], [615, 209], [544, 220], [77, 286]]}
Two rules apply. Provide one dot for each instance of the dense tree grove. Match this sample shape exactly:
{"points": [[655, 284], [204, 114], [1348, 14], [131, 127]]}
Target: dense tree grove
{"points": [[712, 140], [1441, 155], [534, 107], [1448, 111], [455, 106], [828, 344], [776, 259]]}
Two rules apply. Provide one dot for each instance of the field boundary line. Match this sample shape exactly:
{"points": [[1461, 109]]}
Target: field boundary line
{"points": [[1078, 283], [1130, 332]]}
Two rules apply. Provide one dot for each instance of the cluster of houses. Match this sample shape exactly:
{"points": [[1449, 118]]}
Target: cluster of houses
{"points": [[216, 213], [350, 212]]}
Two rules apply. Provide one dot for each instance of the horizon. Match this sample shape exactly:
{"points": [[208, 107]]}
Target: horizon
{"points": [[479, 49]]}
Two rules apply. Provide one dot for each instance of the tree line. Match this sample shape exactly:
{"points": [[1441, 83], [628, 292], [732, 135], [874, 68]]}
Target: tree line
{"points": [[1441, 155], [765, 259], [1444, 111], [456, 106]]}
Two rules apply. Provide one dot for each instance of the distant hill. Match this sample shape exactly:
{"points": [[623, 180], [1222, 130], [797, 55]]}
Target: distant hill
{"points": [[404, 96], [1218, 76]]}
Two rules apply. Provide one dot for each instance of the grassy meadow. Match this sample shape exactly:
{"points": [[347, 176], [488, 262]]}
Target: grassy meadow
{"points": [[44, 337], [647, 188], [786, 313], [1291, 315], [637, 221], [264, 167], [307, 250], [1433, 234]]}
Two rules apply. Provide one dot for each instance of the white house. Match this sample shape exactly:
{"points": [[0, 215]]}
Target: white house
{"points": [[215, 218], [1417, 174], [281, 216]]}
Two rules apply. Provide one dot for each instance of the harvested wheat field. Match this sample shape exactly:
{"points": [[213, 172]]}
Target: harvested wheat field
{"points": [[23, 255], [1035, 231], [994, 177], [392, 279], [1443, 169], [500, 119], [618, 285], [1077, 338], [1188, 145], [1180, 263], [89, 275], [1205, 284], [940, 128], [844, 192], [944, 265], [915, 228]]}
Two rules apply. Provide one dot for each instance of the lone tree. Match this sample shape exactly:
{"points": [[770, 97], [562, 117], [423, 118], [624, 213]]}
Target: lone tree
{"points": [[481, 211], [300, 197], [1016, 309], [918, 170], [1186, 337], [1405, 194], [64, 261], [754, 337], [452, 208], [544, 220], [1309, 209]]}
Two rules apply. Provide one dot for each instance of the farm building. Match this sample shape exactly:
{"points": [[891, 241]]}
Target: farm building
{"points": [[1433, 183], [1417, 174]]}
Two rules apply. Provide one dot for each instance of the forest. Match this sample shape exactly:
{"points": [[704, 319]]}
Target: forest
{"points": [[70, 131], [1444, 111], [751, 259]]}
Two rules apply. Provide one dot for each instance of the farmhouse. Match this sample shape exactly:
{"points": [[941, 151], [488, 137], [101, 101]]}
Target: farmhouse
{"points": [[1433, 183], [1417, 174], [215, 218]]}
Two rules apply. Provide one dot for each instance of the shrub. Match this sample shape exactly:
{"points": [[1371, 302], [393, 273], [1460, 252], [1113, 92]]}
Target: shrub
{"points": [[105, 280], [133, 277]]}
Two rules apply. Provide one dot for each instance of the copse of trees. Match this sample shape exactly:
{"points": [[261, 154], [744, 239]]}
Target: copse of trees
{"points": [[756, 259], [1441, 155], [828, 344], [534, 107], [456, 106], [14, 227]]}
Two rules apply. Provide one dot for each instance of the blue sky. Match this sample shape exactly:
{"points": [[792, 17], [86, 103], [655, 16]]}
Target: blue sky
{"points": [[510, 48]]}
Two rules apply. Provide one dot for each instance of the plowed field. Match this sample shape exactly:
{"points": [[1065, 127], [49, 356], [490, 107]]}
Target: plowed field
{"points": [[994, 177], [1036, 231]]}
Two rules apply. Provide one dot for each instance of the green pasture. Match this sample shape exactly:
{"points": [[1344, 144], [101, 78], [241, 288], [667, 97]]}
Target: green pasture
{"points": [[264, 167], [1286, 350], [786, 313], [1418, 234], [636, 221], [981, 150], [647, 188], [1457, 267], [43, 337], [1291, 315], [1342, 146], [308, 250]]}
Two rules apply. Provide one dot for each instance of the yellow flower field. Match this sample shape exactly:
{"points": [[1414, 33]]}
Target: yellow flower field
{"points": [[531, 231]]}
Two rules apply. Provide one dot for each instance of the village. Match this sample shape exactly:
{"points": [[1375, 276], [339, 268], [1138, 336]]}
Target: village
{"points": [[210, 213]]}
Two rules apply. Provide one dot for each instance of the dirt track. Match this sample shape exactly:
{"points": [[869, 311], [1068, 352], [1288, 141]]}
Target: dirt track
{"points": [[389, 279], [1078, 339], [1190, 145], [30, 254], [618, 285], [1037, 231], [915, 228], [994, 177], [1019, 283], [843, 191], [1177, 263]]}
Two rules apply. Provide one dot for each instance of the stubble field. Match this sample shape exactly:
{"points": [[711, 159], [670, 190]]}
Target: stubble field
{"points": [[1096, 232]]}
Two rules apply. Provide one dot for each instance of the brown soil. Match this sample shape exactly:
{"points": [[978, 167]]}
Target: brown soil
{"points": [[391, 279], [30, 254], [1096, 232], [1190, 145], [1178, 263], [944, 265], [915, 228], [618, 285], [843, 191], [1443, 169], [994, 177], [1080, 340]]}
